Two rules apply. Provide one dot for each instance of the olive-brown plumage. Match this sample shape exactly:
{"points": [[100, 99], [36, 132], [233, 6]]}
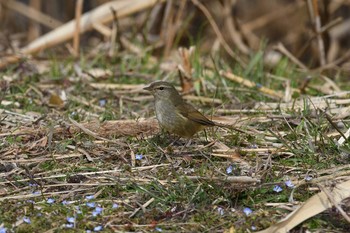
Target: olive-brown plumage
{"points": [[173, 113]]}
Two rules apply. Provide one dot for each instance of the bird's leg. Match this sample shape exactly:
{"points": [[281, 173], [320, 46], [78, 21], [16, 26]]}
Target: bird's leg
{"points": [[187, 144], [173, 142]]}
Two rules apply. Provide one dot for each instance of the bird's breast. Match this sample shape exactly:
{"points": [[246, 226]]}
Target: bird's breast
{"points": [[172, 121]]}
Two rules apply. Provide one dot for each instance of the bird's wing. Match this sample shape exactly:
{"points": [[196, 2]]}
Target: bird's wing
{"points": [[193, 114]]}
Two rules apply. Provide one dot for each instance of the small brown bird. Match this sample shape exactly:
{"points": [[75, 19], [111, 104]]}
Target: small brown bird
{"points": [[173, 113]]}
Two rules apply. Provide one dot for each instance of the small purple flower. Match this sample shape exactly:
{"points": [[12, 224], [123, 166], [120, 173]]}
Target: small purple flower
{"points": [[33, 184], [115, 205], [71, 219], [229, 169], [138, 156], [247, 211], [64, 202], [50, 201], [98, 228], [26, 220], [3, 229], [102, 102], [91, 204], [277, 189], [88, 231], [253, 228], [36, 192], [69, 225], [77, 208], [221, 211], [308, 178], [158, 229], [31, 201], [289, 184], [97, 211], [90, 197]]}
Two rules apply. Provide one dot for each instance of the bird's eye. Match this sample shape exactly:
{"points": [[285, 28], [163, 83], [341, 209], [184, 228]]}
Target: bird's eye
{"points": [[161, 88]]}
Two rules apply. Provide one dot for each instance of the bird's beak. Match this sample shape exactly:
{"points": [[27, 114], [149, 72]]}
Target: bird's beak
{"points": [[147, 88]]}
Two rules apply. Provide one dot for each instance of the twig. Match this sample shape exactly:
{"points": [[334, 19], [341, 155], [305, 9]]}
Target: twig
{"points": [[232, 179], [333, 124], [250, 84], [33, 14], [344, 137], [89, 132], [331, 24], [76, 38], [280, 47], [116, 34], [116, 171], [331, 199], [103, 29], [100, 14], [34, 27], [27, 196], [142, 207], [232, 29], [218, 32], [340, 60], [81, 150], [314, 12]]}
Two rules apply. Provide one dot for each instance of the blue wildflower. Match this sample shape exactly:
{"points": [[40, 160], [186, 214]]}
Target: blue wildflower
{"points": [[97, 211], [71, 219], [3, 229], [138, 156], [50, 201], [221, 211], [102, 102], [69, 225], [289, 184], [98, 228], [277, 189], [26, 220], [229, 169], [91, 204], [247, 211], [115, 205], [90, 197], [64, 202]]}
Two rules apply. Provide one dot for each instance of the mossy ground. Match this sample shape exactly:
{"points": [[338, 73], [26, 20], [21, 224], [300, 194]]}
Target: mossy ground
{"points": [[48, 176]]}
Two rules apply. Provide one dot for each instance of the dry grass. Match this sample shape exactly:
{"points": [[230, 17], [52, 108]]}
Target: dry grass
{"points": [[80, 148]]}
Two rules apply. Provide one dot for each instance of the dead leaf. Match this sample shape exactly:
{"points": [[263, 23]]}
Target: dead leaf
{"points": [[313, 206], [55, 101], [185, 69]]}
